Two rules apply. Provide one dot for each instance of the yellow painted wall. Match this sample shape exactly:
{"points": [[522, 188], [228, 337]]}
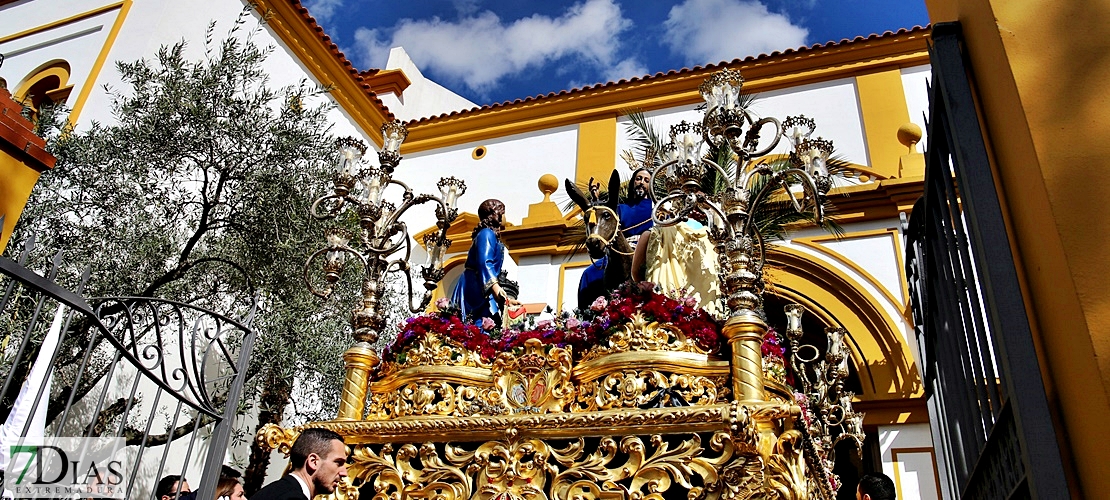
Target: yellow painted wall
{"points": [[882, 104], [18, 180], [1041, 69], [597, 149]]}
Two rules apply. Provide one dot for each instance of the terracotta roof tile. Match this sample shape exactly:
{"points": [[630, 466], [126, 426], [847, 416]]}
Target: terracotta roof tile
{"points": [[339, 56], [816, 46], [16, 131]]}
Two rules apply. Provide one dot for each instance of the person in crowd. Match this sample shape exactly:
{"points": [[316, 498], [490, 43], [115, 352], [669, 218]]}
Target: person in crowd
{"points": [[478, 293], [229, 488], [875, 486], [170, 487], [318, 460], [226, 471]]}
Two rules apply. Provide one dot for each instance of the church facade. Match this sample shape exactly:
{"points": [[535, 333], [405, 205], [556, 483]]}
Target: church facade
{"points": [[865, 95]]}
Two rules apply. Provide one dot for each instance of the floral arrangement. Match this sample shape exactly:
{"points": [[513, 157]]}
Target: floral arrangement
{"points": [[774, 354], [578, 331], [604, 315]]}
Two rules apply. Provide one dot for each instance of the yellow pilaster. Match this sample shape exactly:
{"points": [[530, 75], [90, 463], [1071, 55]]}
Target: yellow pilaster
{"points": [[19, 179], [882, 104], [597, 149]]}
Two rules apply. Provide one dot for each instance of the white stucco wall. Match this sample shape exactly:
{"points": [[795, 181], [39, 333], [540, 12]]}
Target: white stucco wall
{"points": [[147, 25], [423, 98], [909, 459], [915, 85]]}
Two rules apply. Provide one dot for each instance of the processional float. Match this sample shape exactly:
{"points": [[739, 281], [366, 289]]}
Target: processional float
{"points": [[645, 396]]}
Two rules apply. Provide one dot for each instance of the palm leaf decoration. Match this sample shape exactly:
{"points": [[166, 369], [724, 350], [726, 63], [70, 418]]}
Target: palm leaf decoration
{"points": [[772, 217]]}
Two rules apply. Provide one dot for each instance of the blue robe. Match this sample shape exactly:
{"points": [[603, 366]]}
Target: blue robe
{"points": [[635, 214], [592, 284], [473, 292]]}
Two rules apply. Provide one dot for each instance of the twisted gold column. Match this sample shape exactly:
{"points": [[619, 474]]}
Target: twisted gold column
{"points": [[745, 337], [360, 360]]}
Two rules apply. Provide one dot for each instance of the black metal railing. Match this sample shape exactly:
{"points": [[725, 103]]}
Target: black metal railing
{"points": [[988, 410], [163, 376]]}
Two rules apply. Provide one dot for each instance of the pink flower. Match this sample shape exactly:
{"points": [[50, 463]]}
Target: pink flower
{"points": [[573, 323], [690, 302], [442, 303], [599, 304], [487, 324], [544, 324]]}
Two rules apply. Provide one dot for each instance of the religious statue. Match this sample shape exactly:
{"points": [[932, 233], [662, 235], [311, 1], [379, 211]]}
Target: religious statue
{"points": [[478, 293]]}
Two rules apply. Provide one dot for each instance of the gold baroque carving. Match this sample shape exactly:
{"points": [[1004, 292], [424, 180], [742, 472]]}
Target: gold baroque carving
{"points": [[621, 467], [640, 335], [537, 381], [273, 437], [648, 388], [436, 350]]}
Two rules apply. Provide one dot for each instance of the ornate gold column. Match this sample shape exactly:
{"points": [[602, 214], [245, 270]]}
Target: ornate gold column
{"points": [[744, 333], [360, 360]]}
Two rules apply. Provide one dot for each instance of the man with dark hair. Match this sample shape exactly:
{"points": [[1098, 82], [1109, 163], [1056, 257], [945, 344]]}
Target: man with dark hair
{"points": [[319, 461], [635, 212], [170, 486], [875, 486]]}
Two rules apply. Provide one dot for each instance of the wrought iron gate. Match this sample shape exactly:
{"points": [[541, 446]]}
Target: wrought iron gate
{"points": [[165, 377], [988, 410]]}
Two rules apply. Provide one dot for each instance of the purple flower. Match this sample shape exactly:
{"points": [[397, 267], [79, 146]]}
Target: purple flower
{"points": [[599, 304]]}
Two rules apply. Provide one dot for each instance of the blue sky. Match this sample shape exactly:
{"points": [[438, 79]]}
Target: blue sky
{"points": [[492, 51]]}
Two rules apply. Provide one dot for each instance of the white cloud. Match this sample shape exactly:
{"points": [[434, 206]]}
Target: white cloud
{"points": [[465, 7], [626, 69], [323, 10], [478, 50], [711, 31]]}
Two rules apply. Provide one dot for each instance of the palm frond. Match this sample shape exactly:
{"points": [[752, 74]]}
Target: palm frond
{"points": [[648, 140]]}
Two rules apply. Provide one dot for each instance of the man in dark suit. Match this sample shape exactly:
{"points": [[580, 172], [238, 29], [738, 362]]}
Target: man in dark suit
{"points": [[319, 462]]}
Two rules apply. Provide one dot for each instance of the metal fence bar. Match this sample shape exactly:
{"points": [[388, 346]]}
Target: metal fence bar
{"points": [[994, 429], [1041, 452], [131, 340]]}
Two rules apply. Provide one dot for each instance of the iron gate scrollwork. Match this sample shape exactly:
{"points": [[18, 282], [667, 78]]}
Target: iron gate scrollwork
{"points": [[988, 409], [164, 376]]}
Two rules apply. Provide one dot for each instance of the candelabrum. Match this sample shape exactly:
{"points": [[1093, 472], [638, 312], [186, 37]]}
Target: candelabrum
{"points": [[830, 417], [756, 179], [381, 246]]}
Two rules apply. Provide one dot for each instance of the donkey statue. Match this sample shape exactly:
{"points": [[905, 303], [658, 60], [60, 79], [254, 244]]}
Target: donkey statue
{"points": [[604, 237]]}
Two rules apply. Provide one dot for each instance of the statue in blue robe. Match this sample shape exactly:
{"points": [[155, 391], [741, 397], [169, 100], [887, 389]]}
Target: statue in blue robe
{"points": [[478, 292]]}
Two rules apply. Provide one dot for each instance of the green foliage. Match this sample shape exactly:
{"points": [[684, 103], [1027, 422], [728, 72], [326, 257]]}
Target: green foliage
{"points": [[772, 216], [198, 192]]}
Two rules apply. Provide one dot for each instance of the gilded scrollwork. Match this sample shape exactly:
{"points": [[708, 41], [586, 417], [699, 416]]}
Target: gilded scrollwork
{"points": [[722, 451], [273, 437], [436, 350], [536, 381], [647, 389], [786, 469], [641, 335], [621, 467]]}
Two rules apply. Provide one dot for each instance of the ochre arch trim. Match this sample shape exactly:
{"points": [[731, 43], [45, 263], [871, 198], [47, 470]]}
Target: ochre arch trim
{"points": [[882, 358]]}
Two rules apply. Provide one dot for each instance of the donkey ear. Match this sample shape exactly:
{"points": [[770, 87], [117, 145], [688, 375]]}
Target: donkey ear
{"points": [[614, 190], [576, 195]]}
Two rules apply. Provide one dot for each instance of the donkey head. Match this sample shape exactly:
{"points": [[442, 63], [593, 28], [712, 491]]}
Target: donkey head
{"points": [[602, 222]]}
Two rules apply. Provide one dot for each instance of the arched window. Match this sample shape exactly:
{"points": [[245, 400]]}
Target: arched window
{"points": [[49, 83]]}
